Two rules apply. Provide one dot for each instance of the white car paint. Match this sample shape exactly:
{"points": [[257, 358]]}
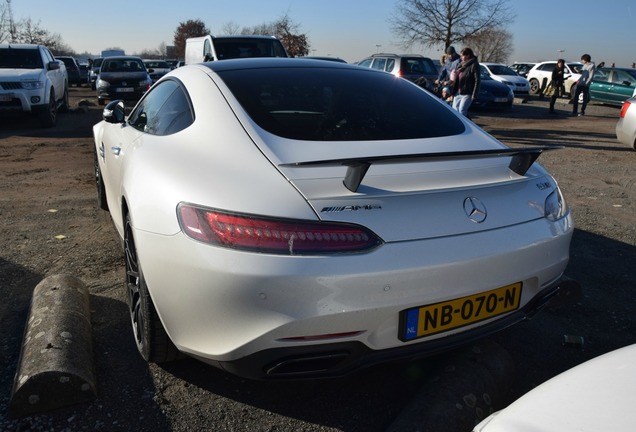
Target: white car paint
{"points": [[626, 125], [502, 73], [597, 395], [222, 305]]}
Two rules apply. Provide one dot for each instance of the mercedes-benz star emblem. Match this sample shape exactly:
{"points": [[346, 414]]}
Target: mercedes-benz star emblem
{"points": [[475, 209]]}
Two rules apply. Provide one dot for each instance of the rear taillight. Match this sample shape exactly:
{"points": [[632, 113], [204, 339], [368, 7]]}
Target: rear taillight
{"points": [[269, 235], [624, 109]]}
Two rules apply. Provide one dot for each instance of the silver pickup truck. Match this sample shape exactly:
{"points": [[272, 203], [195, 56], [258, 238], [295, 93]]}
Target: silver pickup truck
{"points": [[32, 81]]}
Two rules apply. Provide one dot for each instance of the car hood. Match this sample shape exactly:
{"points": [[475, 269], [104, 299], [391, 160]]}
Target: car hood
{"points": [[594, 396], [410, 196], [109, 76], [20, 74], [492, 85], [514, 79]]}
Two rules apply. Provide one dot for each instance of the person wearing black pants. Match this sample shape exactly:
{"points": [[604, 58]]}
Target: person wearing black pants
{"points": [[557, 83], [582, 84]]}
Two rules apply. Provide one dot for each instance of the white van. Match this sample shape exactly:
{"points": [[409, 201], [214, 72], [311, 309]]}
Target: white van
{"points": [[212, 48]]}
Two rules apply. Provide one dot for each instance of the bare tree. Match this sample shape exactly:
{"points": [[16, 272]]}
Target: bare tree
{"points": [[32, 33], [294, 42], [287, 31], [188, 29], [230, 28], [158, 53], [491, 45], [434, 22]]}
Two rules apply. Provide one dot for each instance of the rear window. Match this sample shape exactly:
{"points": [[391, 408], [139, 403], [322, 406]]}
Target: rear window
{"points": [[323, 104], [415, 65]]}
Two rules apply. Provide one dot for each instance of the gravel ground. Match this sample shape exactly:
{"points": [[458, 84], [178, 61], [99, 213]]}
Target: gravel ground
{"points": [[51, 225]]}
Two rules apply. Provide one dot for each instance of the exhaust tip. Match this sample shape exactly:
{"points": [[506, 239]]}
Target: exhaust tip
{"points": [[308, 365]]}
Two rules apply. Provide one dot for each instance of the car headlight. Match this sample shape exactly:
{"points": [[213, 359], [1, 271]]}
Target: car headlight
{"points": [[555, 206], [506, 82], [101, 84], [32, 85], [145, 83]]}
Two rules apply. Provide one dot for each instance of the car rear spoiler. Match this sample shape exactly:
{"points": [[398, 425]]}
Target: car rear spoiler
{"points": [[522, 160]]}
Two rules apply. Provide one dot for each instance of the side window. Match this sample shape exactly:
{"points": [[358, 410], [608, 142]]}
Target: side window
{"points": [[164, 110], [379, 63], [601, 76], [207, 51], [390, 64], [48, 57], [429, 67], [620, 77], [547, 67], [365, 62]]}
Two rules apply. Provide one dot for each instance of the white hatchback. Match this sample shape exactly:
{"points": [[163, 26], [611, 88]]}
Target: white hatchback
{"points": [[541, 74], [502, 73]]}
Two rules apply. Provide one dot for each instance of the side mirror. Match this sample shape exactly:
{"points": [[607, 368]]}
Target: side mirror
{"points": [[114, 112], [627, 83], [54, 65]]}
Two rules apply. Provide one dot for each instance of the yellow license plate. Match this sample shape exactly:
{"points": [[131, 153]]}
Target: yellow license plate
{"points": [[440, 317]]}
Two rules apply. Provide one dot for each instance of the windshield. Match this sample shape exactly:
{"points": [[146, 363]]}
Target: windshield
{"points": [[324, 104], [20, 59], [122, 65], [157, 64], [230, 48], [575, 67], [501, 70]]}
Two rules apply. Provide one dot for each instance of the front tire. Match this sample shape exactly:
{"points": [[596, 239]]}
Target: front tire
{"points": [[48, 117], [101, 189], [151, 338], [65, 105]]}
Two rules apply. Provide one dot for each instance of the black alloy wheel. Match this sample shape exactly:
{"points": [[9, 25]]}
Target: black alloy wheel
{"points": [[152, 341], [99, 183]]}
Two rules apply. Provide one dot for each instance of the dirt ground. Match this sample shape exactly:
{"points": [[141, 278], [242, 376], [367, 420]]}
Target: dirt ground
{"points": [[51, 225]]}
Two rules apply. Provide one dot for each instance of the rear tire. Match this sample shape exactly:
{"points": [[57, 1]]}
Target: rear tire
{"points": [[535, 87], [151, 338]]}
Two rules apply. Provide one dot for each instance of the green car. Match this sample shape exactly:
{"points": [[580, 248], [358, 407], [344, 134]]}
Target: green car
{"points": [[612, 85]]}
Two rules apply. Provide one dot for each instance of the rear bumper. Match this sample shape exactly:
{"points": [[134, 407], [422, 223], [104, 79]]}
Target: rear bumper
{"points": [[338, 359]]}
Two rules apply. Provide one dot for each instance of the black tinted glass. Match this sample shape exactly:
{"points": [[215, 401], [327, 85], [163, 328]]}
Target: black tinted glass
{"points": [[322, 104], [20, 59]]}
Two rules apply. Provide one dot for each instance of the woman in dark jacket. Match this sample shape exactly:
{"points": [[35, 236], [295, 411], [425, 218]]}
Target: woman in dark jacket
{"points": [[557, 83], [467, 81]]}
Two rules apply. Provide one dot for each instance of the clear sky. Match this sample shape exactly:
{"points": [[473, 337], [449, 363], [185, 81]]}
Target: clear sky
{"points": [[350, 29]]}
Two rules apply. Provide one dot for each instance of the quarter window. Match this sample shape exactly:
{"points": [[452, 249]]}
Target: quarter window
{"points": [[165, 110]]}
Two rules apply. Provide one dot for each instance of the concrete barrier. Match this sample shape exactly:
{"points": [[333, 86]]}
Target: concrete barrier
{"points": [[56, 367]]}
